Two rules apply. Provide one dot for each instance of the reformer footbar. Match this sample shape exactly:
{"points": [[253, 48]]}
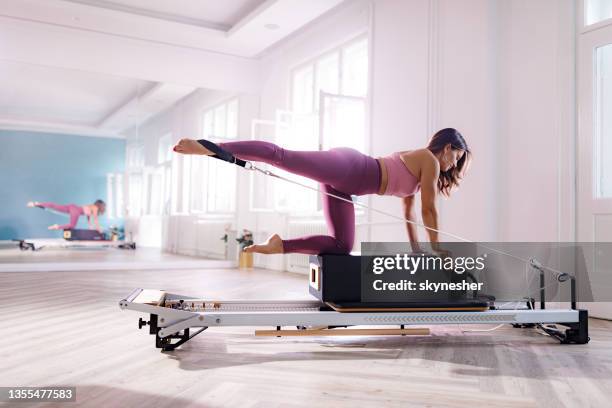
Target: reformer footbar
{"points": [[172, 316]]}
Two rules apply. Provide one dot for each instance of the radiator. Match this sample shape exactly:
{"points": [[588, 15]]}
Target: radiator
{"points": [[208, 235], [186, 236], [299, 262]]}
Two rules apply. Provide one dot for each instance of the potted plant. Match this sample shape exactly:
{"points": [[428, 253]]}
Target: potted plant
{"points": [[245, 259]]}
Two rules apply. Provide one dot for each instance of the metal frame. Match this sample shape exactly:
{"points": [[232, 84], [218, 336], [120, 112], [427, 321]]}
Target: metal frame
{"points": [[168, 323], [38, 244]]}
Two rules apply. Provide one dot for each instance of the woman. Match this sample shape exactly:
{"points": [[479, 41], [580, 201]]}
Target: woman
{"points": [[344, 172], [75, 211]]}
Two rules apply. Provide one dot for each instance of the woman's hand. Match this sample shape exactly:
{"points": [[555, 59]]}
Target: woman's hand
{"points": [[54, 227], [190, 146]]}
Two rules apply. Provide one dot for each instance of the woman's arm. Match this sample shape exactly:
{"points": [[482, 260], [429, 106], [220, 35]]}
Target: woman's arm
{"points": [[408, 204], [429, 184], [94, 214]]}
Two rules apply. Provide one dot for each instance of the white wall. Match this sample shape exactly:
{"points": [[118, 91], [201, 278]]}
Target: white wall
{"points": [[502, 73], [399, 91], [536, 120], [465, 96]]}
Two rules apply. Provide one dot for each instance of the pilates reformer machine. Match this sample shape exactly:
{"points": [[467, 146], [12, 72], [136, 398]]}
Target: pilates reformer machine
{"points": [[334, 281], [337, 310], [76, 238]]}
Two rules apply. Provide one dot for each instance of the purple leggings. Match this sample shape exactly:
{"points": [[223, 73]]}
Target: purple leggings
{"points": [[341, 171], [74, 211]]}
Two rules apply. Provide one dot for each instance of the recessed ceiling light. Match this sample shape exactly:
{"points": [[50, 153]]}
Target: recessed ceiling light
{"points": [[272, 26]]}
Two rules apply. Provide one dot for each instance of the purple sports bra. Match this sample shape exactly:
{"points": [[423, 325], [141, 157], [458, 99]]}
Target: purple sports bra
{"points": [[400, 181]]}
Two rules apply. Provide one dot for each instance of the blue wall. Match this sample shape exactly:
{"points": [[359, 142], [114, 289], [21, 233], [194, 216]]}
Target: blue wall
{"points": [[65, 169]]}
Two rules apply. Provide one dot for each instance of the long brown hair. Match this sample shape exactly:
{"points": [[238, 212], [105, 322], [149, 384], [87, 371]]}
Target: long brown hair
{"points": [[452, 177], [101, 206]]}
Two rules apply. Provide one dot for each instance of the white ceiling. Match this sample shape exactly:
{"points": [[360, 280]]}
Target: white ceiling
{"points": [[98, 66], [48, 99], [242, 28], [44, 94], [216, 14]]}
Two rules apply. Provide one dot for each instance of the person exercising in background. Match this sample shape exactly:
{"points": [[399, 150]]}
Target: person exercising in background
{"points": [[433, 170], [91, 211]]}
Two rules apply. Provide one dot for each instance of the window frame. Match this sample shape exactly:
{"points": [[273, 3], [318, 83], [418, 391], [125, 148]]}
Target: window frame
{"points": [[316, 100], [164, 166], [206, 209], [582, 15]]}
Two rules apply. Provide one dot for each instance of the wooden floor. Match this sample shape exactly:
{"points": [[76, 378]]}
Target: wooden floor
{"points": [[100, 259], [14, 255], [52, 255], [65, 328]]}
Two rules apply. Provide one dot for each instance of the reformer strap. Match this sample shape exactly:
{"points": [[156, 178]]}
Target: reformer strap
{"points": [[221, 154]]}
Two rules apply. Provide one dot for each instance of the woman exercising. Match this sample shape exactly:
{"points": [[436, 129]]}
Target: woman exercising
{"points": [[75, 211], [344, 172]]}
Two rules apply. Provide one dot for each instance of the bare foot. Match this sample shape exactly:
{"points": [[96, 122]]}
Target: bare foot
{"points": [[54, 227], [190, 146], [274, 245]]}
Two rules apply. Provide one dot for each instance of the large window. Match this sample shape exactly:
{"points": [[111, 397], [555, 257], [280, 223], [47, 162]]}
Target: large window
{"points": [[114, 195], [164, 149], [155, 191], [594, 134], [164, 172], [597, 10], [354, 71], [150, 186], [175, 188], [343, 71], [134, 156], [135, 188], [328, 109], [186, 183], [213, 183], [135, 162]]}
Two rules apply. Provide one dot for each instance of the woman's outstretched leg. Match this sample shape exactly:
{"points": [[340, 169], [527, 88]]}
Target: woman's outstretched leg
{"points": [[344, 169], [333, 167], [52, 206], [74, 211]]}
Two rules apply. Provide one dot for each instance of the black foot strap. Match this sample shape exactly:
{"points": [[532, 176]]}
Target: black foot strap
{"points": [[221, 154]]}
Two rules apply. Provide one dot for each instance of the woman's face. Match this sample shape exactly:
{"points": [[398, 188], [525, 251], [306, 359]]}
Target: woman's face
{"points": [[450, 157]]}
